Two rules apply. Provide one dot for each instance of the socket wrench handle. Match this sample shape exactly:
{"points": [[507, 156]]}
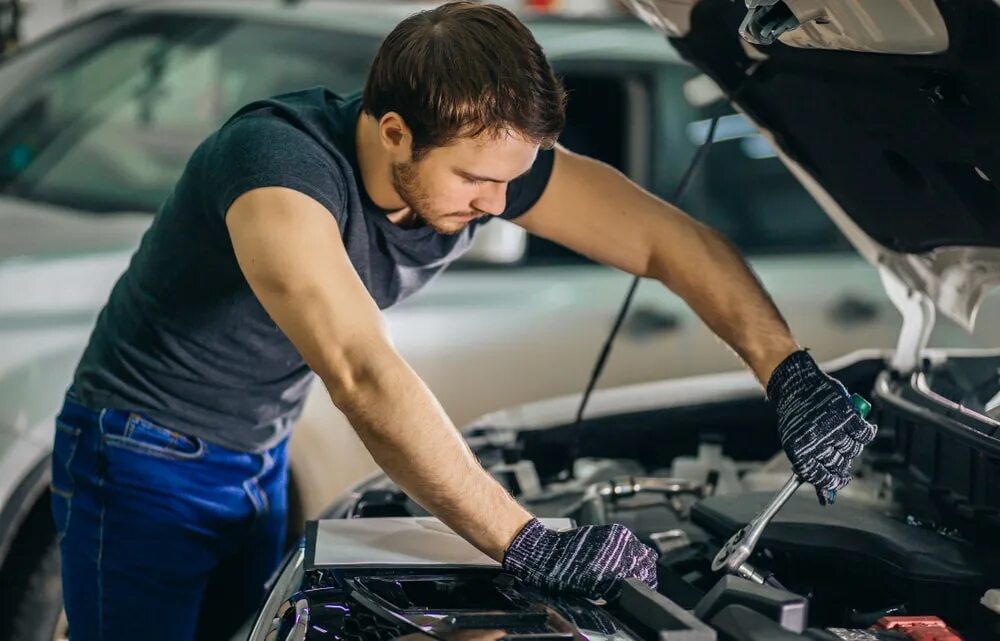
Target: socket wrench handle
{"points": [[740, 546]]}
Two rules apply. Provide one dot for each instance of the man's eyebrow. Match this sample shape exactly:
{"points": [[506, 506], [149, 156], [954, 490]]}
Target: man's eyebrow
{"points": [[472, 176]]}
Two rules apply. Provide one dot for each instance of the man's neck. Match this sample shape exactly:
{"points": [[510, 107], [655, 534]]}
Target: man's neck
{"points": [[374, 164]]}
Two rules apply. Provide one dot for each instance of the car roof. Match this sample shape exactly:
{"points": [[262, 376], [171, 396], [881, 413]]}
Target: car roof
{"points": [[563, 39]]}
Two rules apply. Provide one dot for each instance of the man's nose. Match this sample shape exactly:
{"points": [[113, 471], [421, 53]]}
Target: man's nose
{"points": [[492, 199]]}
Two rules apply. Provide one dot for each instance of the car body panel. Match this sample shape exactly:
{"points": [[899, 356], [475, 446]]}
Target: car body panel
{"points": [[689, 390]]}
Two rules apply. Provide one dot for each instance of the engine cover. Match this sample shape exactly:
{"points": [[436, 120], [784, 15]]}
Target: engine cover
{"points": [[850, 533], [856, 556]]}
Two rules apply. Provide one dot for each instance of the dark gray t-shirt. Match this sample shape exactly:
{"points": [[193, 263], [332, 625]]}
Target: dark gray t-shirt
{"points": [[183, 339]]}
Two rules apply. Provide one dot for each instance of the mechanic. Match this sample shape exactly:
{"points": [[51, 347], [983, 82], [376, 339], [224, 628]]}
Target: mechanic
{"points": [[289, 230]]}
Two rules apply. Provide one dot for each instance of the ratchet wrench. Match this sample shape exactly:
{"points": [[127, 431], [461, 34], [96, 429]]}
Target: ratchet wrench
{"points": [[734, 554]]}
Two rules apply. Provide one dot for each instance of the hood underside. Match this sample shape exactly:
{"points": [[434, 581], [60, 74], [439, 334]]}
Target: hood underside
{"points": [[890, 118]]}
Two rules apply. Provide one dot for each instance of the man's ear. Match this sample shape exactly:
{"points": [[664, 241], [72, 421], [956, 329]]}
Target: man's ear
{"points": [[395, 135]]}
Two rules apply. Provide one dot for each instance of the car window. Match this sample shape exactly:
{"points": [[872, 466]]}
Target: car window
{"points": [[742, 188], [110, 128], [106, 123], [747, 193], [597, 125]]}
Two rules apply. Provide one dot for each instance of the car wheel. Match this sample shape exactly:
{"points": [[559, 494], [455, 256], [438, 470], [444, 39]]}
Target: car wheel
{"points": [[39, 615]]}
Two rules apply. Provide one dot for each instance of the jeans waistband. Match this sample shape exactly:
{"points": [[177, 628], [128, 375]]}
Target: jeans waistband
{"points": [[73, 408]]}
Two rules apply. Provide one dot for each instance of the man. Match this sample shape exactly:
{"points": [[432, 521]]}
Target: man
{"points": [[290, 228]]}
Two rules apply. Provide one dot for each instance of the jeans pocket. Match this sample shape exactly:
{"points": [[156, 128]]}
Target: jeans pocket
{"points": [[141, 435], [64, 446]]}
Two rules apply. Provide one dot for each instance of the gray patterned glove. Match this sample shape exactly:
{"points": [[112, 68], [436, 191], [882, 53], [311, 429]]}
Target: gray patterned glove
{"points": [[821, 431], [589, 560]]}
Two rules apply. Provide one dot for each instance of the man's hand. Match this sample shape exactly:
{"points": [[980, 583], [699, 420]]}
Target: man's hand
{"points": [[590, 561], [820, 429]]}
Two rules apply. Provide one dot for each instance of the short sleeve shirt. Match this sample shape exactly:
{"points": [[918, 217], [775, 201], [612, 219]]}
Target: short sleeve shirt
{"points": [[184, 340]]}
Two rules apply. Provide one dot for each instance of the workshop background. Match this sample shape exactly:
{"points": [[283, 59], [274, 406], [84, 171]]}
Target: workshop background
{"points": [[494, 330], [101, 136]]}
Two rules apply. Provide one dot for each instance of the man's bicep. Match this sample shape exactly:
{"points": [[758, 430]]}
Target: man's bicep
{"points": [[593, 209], [290, 251]]}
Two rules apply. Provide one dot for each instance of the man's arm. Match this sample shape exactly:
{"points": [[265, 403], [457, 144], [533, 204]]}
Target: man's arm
{"points": [[290, 250], [593, 209]]}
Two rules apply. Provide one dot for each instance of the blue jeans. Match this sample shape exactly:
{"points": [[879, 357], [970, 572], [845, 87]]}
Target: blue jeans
{"points": [[162, 535]]}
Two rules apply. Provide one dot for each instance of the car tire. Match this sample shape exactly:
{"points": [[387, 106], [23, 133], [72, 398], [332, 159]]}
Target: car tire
{"points": [[38, 614]]}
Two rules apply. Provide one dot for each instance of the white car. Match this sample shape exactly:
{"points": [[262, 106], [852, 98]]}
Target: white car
{"points": [[97, 119]]}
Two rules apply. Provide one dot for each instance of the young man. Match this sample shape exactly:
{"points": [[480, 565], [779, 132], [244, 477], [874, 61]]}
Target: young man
{"points": [[290, 228]]}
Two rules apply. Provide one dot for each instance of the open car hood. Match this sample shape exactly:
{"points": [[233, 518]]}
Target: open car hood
{"points": [[886, 111]]}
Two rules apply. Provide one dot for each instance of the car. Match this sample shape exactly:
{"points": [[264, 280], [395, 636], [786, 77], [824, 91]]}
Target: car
{"points": [[898, 149], [98, 118]]}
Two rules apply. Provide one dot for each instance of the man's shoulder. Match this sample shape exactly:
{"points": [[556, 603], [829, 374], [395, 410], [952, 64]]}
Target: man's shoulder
{"points": [[286, 140], [313, 122], [316, 106]]}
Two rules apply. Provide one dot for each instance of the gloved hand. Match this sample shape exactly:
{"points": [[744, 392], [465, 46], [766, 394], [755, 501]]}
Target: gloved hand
{"points": [[820, 430], [589, 560]]}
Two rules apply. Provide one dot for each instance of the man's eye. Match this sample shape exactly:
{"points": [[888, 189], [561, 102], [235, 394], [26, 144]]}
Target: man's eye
{"points": [[474, 181]]}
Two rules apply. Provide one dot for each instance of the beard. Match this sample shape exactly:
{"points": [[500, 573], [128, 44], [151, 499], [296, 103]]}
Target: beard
{"points": [[406, 182]]}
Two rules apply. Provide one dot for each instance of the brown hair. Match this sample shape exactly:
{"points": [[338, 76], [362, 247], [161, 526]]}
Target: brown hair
{"points": [[463, 69]]}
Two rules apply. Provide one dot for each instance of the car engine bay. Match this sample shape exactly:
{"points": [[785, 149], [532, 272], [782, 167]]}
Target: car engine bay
{"points": [[898, 553]]}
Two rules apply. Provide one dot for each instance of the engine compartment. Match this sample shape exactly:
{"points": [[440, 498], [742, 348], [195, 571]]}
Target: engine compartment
{"points": [[861, 560], [876, 553]]}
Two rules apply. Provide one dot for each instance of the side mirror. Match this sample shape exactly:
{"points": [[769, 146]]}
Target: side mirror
{"points": [[497, 243]]}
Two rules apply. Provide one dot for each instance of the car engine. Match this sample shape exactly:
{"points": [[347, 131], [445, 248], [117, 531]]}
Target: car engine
{"points": [[884, 562], [856, 563]]}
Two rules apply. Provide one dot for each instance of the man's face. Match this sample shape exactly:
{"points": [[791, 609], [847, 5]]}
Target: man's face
{"points": [[451, 186]]}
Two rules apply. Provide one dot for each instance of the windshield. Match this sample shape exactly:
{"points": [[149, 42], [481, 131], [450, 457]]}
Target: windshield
{"points": [[104, 117]]}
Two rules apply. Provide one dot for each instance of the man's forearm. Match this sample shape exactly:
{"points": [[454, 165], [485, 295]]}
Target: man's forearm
{"points": [[413, 440], [710, 274]]}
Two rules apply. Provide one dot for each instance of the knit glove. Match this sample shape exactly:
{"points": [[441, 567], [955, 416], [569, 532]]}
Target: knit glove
{"points": [[589, 561], [820, 430]]}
